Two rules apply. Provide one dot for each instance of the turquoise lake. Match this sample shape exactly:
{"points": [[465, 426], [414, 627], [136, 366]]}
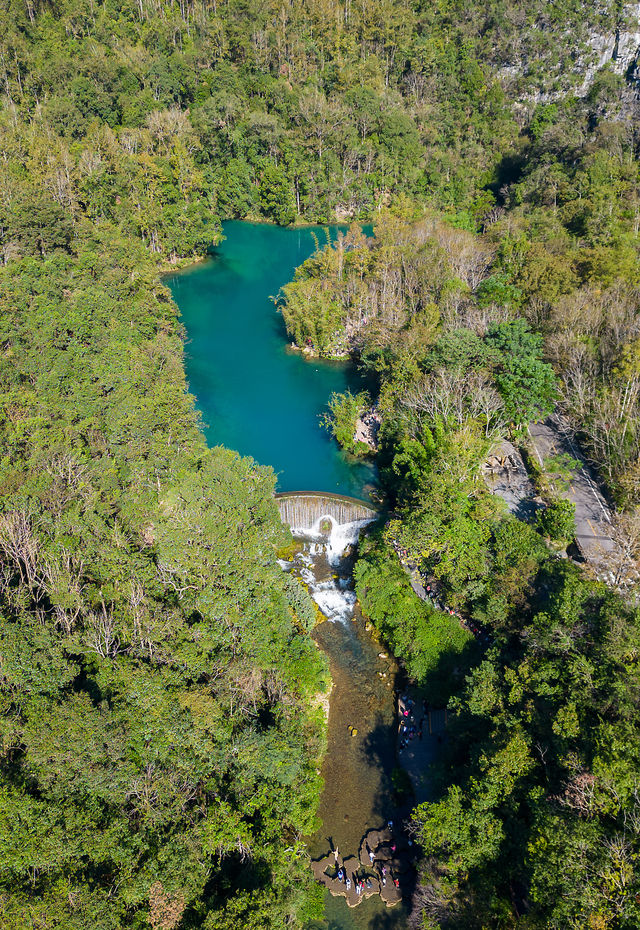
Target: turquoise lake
{"points": [[256, 395]]}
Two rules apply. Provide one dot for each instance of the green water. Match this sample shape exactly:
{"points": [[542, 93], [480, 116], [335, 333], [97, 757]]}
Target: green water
{"points": [[256, 395]]}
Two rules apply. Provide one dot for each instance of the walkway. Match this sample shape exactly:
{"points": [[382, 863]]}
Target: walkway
{"points": [[593, 514], [427, 592], [420, 733]]}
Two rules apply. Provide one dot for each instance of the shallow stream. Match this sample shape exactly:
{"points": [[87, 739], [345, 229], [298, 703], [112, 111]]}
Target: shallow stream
{"points": [[358, 794]]}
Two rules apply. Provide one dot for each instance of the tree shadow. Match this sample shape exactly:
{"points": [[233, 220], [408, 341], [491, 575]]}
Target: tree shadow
{"points": [[509, 170], [526, 509], [378, 749], [394, 919]]}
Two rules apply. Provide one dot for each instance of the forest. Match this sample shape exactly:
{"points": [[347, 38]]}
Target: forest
{"points": [[158, 684], [470, 336]]}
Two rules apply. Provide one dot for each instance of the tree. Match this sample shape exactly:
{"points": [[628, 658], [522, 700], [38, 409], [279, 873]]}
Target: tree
{"points": [[344, 412], [526, 383], [557, 520], [39, 225], [276, 195]]}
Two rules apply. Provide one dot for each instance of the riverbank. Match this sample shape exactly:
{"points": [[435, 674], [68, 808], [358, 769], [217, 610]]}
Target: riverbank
{"points": [[310, 354]]}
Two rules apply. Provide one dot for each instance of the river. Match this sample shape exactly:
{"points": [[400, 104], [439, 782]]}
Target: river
{"points": [[262, 399]]}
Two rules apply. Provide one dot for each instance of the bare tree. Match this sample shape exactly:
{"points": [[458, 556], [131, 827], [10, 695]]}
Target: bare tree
{"points": [[622, 563], [454, 395], [20, 546], [63, 580], [101, 632]]}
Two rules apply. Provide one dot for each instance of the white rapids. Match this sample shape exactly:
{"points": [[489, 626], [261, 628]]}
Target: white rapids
{"points": [[323, 563], [326, 533]]}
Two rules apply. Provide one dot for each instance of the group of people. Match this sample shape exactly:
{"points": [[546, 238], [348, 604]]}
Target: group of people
{"points": [[408, 723], [372, 419], [382, 872], [380, 865], [360, 883], [367, 427]]}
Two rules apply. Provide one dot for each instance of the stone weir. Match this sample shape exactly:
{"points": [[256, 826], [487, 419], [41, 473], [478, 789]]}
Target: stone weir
{"points": [[307, 510]]}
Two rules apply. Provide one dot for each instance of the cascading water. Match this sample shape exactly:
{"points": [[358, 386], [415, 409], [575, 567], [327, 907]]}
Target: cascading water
{"points": [[324, 562], [328, 527], [305, 511]]}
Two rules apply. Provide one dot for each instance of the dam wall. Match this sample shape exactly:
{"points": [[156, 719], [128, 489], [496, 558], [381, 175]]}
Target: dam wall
{"points": [[305, 511], [335, 521]]}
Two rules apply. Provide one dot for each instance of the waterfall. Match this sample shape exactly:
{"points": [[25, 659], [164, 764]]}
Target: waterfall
{"points": [[334, 519], [322, 565], [307, 508], [328, 526], [336, 536]]}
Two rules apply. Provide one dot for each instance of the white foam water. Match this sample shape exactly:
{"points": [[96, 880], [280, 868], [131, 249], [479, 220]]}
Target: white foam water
{"points": [[325, 545], [339, 537], [334, 602]]}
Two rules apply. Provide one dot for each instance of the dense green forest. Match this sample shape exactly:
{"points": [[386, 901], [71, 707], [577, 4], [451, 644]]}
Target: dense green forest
{"points": [[472, 334], [159, 750], [160, 117], [157, 678]]}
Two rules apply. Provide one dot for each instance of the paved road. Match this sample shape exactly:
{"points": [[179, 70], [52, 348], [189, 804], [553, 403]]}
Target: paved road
{"points": [[593, 515]]}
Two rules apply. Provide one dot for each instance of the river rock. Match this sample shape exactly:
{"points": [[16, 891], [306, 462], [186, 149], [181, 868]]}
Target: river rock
{"points": [[390, 894]]}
